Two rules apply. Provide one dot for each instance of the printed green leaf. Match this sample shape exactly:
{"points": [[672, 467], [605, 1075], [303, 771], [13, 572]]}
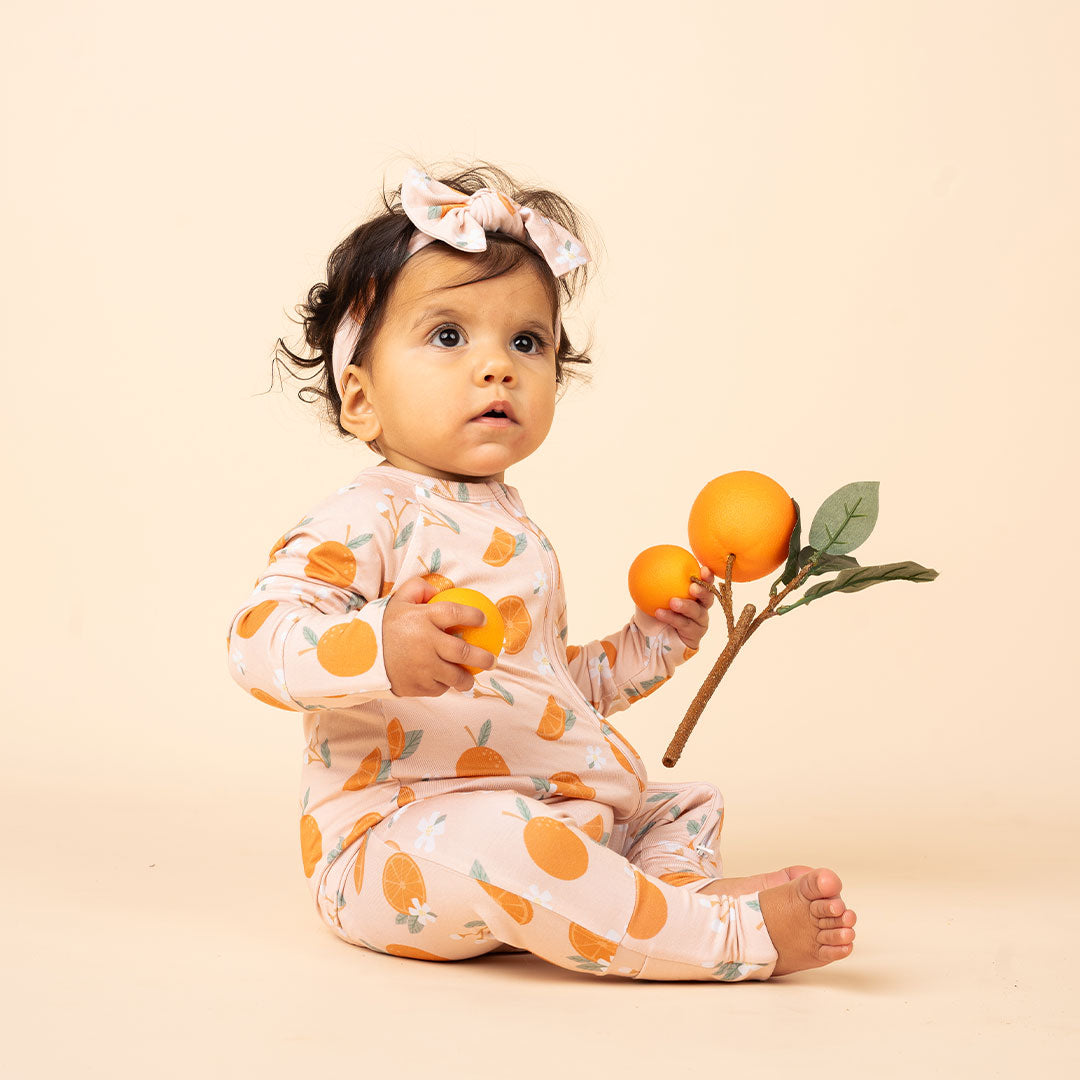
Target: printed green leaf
{"points": [[403, 536], [324, 752], [753, 905], [862, 577], [451, 522], [462, 493], [477, 871], [359, 541], [523, 808], [542, 785], [661, 795], [412, 741], [728, 972], [519, 544], [505, 693], [570, 719], [310, 636], [485, 731], [436, 560]]}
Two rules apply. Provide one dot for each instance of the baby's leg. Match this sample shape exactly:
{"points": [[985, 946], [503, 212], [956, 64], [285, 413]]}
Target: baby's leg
{"points": [[455, 875]]}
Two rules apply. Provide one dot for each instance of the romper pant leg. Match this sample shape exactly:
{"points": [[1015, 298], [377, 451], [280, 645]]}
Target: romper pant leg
{"points": [[453, 876]]}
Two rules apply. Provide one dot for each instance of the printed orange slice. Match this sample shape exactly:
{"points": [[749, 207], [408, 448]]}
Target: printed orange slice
{"points": [[501, 548], [594, 828], [413, 953], [553, 721], [681, 877], [590, 946], [368, 770], [571, 785], [403, 884], [361, 827], [517, 625], [266, 699], [517, 907], [310, 843]]}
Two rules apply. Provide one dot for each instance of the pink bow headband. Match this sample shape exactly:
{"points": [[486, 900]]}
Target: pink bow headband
{"points": [[440, 213]]}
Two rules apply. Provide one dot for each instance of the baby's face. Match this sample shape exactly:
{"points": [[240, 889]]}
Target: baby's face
{"points": [[443, 357]]}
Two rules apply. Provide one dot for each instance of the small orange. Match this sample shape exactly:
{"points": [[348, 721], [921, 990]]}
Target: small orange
{"points": [[744, 513], [489, 636], [661, 573]]}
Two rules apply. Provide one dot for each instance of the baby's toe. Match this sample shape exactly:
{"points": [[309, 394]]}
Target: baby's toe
{"points": [[820, 884], [831, 907], [843, 936]]}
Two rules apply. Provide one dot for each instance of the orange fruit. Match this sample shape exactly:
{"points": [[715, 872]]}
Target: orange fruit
{"points": [[254, 617], [369, 769], [571, 785], [517, 907], [333, 563], [481, 760], [437, 581], [744, 513], [266, 699], [650, 909], [594, 828], [553, 721], [402, 882], [347, 649], [310, 843], [516, 622], [590, 946], [681, 877], [412, 952], [489, 636], [555, 849], [659, 574], [501, 549]]}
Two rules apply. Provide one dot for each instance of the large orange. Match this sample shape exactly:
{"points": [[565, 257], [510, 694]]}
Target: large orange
{"points": [[489, 636], [745, 513], [659, 574]]}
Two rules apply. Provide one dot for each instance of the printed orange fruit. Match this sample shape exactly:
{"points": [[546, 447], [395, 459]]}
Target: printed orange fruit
{"points": [[489, 636], [590, 946], [368, 770], [405, 796], [481, 760], [310, 843], [571, 785], [402, 882], [361, 827], [571, 652], [331, 562], [650, 909], [517, 625], [661, 573], [347, 649], [594, 828], [501, 549], [254, 617], [681, 877], [517, 907], [437, 581], [744, 513], [555, 849], [358, 868], [266, 699], [395, 738], [553, 721], [412, 952]]}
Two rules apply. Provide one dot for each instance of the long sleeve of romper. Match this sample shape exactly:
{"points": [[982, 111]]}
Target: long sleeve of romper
{"points": [[310, 634], [615, 671]]}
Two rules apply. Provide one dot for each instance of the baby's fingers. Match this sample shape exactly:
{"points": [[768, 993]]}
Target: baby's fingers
{"points": [[447, 613], [455, 650]]}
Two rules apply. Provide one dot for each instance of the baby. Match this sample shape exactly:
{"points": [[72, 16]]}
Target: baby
{"points": [[457, 802]]}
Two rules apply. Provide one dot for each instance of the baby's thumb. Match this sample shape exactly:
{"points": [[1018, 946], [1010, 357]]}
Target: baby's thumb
{"points": [[416, 591]]}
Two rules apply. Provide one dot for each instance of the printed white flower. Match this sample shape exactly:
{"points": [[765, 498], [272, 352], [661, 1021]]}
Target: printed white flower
{"points": [[382, 507], [388, 491], [543, 664], [421, 912], [238, 659], [422, 492], [594, 757], [540, 581], [723, 907], [429, 828], [538, 897], [569, 255], [598, 665]]}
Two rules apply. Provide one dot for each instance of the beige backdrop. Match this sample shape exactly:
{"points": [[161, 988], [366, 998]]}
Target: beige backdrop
{"points": [[839, 242]]}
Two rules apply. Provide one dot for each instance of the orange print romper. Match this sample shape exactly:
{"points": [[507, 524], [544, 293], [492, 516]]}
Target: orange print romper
{"points": [[513, 816]]}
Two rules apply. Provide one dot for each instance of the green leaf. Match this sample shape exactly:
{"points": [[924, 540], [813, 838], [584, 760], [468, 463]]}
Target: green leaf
{"points": [[436, 560], [661, 795], [451, 522], [359, 541], [477, 871], [485, 732], [310, 636], [505, 693], [862, 577], [403, 536], [462, 493], [791, 568], [753, 905], [846, 518], [519, 544], [523, 808], [412, 741]]}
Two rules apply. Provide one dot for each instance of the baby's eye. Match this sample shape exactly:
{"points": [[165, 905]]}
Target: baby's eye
{"points": [[438, 333], [448, 328]]}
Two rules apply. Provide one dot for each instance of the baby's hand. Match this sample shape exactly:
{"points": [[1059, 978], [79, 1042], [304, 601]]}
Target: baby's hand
{"points": [[422, 660], [690, 618]]}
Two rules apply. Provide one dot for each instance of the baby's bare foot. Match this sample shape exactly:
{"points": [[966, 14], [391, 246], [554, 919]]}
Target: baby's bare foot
{"points": [[810, 925], [738, 886]]}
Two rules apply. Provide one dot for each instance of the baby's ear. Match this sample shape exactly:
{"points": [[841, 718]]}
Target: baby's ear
{"points": [[357, 413]]}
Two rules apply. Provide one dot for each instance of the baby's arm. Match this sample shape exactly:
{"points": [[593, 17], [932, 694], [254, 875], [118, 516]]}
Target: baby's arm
{"points": [[621, 668], [310, 634]]}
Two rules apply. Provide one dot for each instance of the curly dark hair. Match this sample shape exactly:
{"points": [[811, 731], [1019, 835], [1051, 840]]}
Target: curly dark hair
{"points": [[373, 254]]}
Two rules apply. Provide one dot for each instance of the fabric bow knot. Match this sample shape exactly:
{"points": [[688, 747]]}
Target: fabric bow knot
{"points": [[439, 213]]}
